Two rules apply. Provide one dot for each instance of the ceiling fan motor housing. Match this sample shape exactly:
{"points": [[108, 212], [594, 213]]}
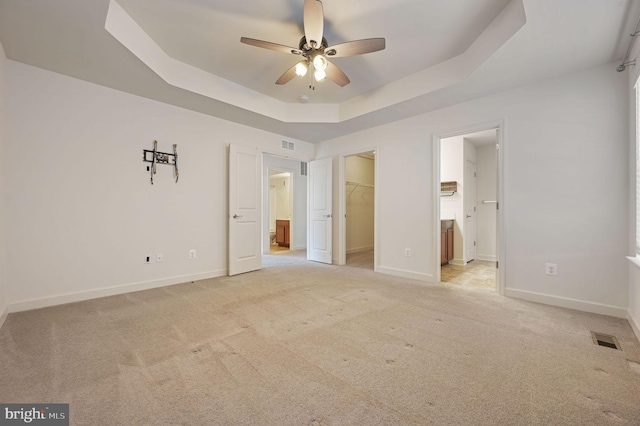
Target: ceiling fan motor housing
{"points": [[306, 48]]}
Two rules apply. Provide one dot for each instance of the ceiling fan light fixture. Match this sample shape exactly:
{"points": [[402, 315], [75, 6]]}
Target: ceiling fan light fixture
{"points": [[301, 69], [315, 50], [320, 63]]}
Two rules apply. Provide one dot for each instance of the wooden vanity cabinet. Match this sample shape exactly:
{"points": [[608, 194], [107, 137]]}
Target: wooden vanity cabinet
{"points": [[283, 232], [446, 241]]}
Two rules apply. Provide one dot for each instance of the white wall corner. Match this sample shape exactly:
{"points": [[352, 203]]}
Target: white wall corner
{"points": [[3, 315], [45, 302], [634, 323], [563, 302]]}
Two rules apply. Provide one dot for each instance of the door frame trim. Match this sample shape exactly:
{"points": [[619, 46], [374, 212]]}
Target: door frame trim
{"points": [[465, 201], [501, 247], [342, 204]]}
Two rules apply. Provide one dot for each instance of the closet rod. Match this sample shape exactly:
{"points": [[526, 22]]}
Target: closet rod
{"points": [[367, 185], [357, 184], [625, 61]]}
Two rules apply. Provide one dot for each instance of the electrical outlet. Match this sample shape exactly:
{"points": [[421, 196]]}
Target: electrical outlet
{"points": [[159, 258], [147, 259], [192, 254], [551, 269], [407, 252]]}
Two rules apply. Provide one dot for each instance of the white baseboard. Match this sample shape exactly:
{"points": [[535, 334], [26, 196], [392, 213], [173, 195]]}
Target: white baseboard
{"points": [[487, 257], [4, 313], [407, 274], [635, 325], [563, 302], [45, 302], [359, 249], [457, 262]]}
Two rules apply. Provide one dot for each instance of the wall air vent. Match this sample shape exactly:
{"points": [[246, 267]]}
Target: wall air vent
{"points": [[288, 145], [303, 168]]}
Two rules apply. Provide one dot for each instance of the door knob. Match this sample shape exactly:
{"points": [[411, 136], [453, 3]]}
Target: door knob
{"points": [[468, 216], [327, 215], [236, 216]]}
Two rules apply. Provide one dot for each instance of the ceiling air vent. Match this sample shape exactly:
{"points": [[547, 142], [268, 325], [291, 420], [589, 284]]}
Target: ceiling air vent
{"points": [[288, 145]]}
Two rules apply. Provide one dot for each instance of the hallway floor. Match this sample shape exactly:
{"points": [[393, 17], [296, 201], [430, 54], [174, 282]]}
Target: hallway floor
{"points": [[477, 274]]}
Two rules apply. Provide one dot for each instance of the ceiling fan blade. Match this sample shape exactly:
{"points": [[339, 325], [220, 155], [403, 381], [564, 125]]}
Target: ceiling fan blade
{"points": [[358, 47], [288, 74], [270, 46], [336, 75], [313, 22]]}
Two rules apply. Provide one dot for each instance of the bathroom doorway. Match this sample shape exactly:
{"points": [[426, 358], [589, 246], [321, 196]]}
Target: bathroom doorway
{"points": [[468, 209], [280, 210]]}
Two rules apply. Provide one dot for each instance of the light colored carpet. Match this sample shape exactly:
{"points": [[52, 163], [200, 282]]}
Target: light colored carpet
{"points": [[301, 343]]}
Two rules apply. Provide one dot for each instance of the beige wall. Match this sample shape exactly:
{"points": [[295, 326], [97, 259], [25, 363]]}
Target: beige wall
{"points": [[81, 211], [633, 74], [565, 187], [3, 162]]}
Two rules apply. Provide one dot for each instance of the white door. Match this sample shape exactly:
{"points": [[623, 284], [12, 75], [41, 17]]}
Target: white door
{"points": [[245, 210], [320, 211], [470, 213]]}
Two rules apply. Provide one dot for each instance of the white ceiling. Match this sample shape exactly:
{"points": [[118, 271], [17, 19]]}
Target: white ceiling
{"points": [[484, 138], [207, 35], [559, 36]]}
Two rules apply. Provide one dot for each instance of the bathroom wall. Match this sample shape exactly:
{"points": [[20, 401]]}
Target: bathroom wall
{"points": [[282, 187]]}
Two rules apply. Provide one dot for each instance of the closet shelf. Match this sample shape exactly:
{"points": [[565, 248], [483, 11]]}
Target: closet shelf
{"points": [[448, 189]]}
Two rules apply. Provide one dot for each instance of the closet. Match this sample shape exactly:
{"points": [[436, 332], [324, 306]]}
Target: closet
{"points": [[359, 194]]}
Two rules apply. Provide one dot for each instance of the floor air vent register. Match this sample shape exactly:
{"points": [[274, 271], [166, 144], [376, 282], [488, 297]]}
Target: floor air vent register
{"points": [[605, 340]]}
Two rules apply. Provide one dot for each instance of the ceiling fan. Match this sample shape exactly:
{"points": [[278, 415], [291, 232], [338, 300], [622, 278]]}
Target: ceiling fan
{"points": [[314, 49]]}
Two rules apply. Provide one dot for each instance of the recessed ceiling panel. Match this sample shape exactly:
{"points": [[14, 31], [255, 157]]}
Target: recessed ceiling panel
{"points": [[206, 34]]}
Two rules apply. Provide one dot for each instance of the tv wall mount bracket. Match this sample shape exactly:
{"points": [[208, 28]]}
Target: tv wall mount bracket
{"points": [[156, 157]]}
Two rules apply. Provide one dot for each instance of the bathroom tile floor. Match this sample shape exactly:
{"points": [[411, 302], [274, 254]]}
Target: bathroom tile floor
{"points": [[479, 274], [274, 248]]}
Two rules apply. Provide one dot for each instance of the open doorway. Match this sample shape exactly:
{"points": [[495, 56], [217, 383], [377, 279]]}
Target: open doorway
{"points": [[468, 209], [360, 209], [280, 208], [284, 206]]}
